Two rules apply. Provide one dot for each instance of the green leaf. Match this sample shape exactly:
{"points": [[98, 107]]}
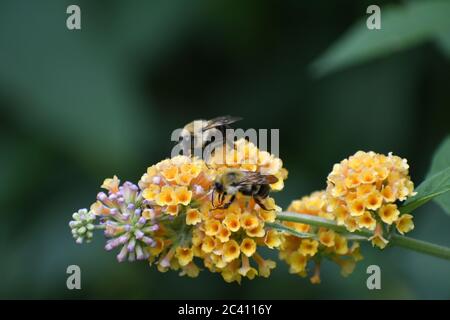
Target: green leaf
{"points": [[441, 158], [401, 28], [441, 161], [443, 42], [432, 187]]}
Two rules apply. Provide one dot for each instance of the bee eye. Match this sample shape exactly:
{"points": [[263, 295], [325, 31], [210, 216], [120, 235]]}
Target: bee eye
{"points": [[218, 186]]}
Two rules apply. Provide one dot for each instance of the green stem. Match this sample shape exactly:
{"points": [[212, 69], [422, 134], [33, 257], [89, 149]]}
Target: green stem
{"points": [[395, 240], [294, 232], [421, 246]]}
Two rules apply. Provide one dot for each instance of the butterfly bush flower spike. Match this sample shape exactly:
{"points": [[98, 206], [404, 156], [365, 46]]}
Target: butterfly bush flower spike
{"points": [[364, 192], [305, 255]]}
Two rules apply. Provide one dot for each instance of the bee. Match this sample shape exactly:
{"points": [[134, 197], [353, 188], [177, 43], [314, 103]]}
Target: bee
{"points": [[248, 183], [199, 133]]}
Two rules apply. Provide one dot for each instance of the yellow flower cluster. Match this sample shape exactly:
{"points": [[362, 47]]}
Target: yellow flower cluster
{"points": [[246, 156], [175, 217], [176, 182], [226, 240], [298, 252], [170, 189], [363, 191]]}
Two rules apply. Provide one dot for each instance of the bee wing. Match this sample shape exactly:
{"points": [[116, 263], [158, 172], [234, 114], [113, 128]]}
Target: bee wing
{"points": [[220, 121], [257, 178]]}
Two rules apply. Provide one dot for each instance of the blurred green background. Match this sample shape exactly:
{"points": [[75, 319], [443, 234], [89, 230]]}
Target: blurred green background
{"points": [[79, 106]]}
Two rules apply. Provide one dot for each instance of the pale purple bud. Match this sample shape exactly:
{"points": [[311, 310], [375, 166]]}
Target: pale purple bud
{"points": [[138, 234], [165, 263], [112, 197], [142, 221], [149, 241], [122, 254], [123, 239], [101, 196], [131, 245], [126, 215], [139, 253], [131, 206], [74, 224], [114, 243], [128, 185], [111, 223]]}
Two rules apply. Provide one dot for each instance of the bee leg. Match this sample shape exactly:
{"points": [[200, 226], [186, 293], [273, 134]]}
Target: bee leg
{"points": [[226, 205], [222, 198], [259, 203]]}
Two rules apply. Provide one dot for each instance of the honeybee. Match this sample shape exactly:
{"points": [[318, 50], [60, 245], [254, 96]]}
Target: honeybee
{"points": [[248, 183], [199, 133]]}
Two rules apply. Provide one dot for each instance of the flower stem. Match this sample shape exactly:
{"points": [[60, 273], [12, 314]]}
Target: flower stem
{"points": [[395, 240], [421, 246], [291, 231]]}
